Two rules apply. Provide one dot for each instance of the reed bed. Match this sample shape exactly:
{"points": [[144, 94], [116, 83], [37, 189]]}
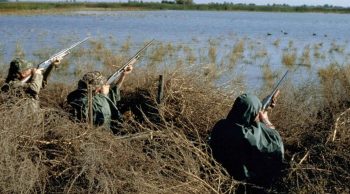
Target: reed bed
{"points": [[164, 148]]}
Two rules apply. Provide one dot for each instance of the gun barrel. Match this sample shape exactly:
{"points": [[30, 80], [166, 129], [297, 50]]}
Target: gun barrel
{"points": [[137, 55], [280, 81], [62, 53], [116, 74], [267, 102]]}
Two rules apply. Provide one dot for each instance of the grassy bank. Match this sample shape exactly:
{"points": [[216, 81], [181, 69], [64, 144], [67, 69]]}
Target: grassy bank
{"points": [[164, 149], [25, 6]]}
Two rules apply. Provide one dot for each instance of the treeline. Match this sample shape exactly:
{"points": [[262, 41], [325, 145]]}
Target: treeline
{"points": [[173, 5]]}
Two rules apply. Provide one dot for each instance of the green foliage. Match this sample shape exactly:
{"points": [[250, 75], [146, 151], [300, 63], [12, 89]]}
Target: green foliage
{"points": [[184, 2], [171, 5]]}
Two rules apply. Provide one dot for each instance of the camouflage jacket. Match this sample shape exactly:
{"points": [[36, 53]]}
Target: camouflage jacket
{"points": [[104, 108], [28, 91]]}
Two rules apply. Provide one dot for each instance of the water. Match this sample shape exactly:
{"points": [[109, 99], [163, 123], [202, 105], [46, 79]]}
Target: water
{"points": [[191, 28]]}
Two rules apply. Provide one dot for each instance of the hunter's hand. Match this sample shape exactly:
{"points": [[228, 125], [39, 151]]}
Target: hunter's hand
{"points": [[274, 99], [37, 71], [105, 89], [128, 69], [57, 61], [264, 118]]}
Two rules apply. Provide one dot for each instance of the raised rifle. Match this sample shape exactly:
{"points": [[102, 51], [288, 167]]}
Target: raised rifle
{"points": [[45, 64], [268, 100], [116, 75]]}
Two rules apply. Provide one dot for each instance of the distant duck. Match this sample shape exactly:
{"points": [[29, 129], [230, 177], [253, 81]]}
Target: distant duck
{"points": [[269, 34], [314, 34], [284, 32], [325, 35]]}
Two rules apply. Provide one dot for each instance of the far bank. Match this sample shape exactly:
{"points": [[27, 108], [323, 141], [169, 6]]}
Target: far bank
{"points": [[59, 7]]}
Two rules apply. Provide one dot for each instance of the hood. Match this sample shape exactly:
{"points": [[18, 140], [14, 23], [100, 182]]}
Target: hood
{"points": [[244, 110]]}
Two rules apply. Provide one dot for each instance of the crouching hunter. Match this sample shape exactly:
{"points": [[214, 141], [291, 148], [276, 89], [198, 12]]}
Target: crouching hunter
{"points": [[104, 100], [247, 144], [25, 81]]}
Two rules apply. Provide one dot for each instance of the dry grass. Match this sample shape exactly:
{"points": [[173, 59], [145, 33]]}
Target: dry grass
{"points": [[164, 148], [58, 155], [289, 58], [236, 54], [305, 58]]}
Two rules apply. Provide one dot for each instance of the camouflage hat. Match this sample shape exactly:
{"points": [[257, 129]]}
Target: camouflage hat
{"points": [[18, 65], [94, 78]]}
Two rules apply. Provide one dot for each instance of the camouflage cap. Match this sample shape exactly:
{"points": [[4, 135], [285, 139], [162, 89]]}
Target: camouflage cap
{"points": [[18, 65], [94, 78]]}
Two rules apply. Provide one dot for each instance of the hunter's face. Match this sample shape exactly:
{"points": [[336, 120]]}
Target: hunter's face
{"points": [[25, 73]]}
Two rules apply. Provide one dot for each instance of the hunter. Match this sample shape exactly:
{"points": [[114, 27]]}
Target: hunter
{"points": [[104, 100], [19, 71], [247, 144]]}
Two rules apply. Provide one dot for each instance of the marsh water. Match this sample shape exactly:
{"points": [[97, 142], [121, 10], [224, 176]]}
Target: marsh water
{"points": [[266, 36]]}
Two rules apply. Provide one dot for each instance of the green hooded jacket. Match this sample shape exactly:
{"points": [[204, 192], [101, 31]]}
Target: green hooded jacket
{"points": [[247, 149], [104, 108]]}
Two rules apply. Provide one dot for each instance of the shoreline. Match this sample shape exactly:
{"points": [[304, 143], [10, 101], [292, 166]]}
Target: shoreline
{"points": [[30, 8]]}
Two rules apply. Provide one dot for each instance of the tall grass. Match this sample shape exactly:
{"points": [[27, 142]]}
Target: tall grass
{"points": [[305, 58], [289, 56], [164, 149]]}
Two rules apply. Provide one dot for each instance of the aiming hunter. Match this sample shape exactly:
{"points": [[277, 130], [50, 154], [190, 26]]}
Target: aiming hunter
{"points": [[104, 99], [25, 81], [247, 144]]}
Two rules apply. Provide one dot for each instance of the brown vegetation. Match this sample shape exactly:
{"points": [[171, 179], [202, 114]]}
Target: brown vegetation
{"points": [[165, 149]]}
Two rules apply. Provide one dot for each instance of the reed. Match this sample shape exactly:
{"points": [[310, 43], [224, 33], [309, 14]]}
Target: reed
{"points": [[277, 43], [305, 58], [126, 46], [236, 53], [19, 51], [268, 75], [165, 147], [289, 58], [335, 48], [212, 52]]}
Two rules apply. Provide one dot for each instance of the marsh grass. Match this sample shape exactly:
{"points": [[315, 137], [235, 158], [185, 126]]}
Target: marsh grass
{"points": [[268, 75], [19, 51], [212, 53], [236, 53], [289, 58], [335, 48], [164, 149], [277, 42], [2, 53], [305, 59], [190, 56], [317, 53], [126, 46]]}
